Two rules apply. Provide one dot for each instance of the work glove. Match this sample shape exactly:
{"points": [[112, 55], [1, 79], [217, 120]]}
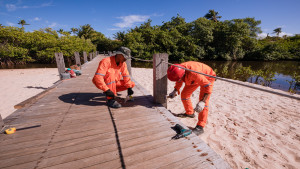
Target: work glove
{"points": [[199, 107], [109, 93], [129, 91], [173, 94]]}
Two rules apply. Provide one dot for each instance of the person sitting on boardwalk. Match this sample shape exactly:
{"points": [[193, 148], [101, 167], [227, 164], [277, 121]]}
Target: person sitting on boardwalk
{"points": [[112, 76], [192, 82]]}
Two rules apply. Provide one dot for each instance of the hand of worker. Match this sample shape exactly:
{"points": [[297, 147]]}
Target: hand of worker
{"points": [[130, 91], [200, 106], [109, 93], [173, 94]]}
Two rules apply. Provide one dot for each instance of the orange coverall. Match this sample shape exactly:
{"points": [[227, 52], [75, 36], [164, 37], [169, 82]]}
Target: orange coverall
{"points": [[111, 76], [192, 82]]}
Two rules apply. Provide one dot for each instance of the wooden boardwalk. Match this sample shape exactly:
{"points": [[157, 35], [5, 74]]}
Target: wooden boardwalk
{"points": [[79, 131]]}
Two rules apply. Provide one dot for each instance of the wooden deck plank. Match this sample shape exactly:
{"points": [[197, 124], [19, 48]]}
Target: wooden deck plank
{"points": [[77, 131]]}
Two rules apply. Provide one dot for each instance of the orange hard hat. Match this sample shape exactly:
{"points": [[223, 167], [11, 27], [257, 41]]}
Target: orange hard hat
{"points": [[175, 73]]}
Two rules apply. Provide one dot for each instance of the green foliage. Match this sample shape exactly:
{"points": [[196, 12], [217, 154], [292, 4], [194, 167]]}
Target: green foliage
{"points": [[17, 46]]}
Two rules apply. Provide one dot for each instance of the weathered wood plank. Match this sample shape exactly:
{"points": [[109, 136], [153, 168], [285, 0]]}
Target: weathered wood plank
{"points": [[60, 62], [160, 81], [85, 57], [77, 58]]}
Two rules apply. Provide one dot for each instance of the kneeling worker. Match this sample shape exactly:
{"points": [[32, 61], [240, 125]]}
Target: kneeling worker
{"points": [[112, 76], [192, 82]]}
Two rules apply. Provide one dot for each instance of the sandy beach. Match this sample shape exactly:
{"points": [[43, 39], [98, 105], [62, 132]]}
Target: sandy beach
{"points": [[247, 127], [18, 85]]}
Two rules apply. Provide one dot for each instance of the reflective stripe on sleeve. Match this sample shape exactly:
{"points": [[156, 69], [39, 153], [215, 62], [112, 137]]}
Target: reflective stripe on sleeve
{"points": [[110, 83], [207, 85], [100, 74]]}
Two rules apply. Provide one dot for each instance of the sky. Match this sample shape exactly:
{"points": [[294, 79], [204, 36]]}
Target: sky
{"points": [[112, 16]]}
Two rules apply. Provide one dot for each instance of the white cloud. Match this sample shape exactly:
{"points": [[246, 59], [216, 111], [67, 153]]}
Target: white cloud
{"points": [[285, 33], [52, 25], [37, 19], [130, 20], [114, 29], [11, 7], [263, 35], [10, 24]]}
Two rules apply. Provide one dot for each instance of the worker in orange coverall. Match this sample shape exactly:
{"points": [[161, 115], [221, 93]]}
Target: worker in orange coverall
{"points": [[112, 76], [192, 82]]}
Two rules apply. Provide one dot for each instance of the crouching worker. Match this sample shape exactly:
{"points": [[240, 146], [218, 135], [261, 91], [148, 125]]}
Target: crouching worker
{"points": [[112, 76], [192, 82]]}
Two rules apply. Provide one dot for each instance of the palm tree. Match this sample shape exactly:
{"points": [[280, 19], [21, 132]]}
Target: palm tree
{"points": [[60, 31], [22, 22], [277, 31], [212, 15], [86, 31], [74, 30]]}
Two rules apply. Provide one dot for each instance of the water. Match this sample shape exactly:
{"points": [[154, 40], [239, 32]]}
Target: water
{"points": [[283, 71]]}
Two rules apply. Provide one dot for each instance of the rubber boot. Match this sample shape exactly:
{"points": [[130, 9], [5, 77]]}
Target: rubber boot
{"points": [[113, 103], [198, 130]]}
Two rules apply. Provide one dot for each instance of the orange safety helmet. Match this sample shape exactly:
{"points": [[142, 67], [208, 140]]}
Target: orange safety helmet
{"points": [[175, 73]]}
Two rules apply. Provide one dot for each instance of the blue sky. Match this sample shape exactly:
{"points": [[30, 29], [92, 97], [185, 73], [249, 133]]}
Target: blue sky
{"points": [[111, 16]]}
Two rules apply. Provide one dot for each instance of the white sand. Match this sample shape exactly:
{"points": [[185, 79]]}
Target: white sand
{"points": [[247, 127], [17, 85]]}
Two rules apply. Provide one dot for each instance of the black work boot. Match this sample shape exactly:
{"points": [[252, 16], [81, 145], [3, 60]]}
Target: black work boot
{"points": [[113, 103], [198, 130], [184, 115]]}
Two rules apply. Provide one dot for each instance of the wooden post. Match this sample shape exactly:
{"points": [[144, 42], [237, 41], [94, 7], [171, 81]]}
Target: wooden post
{"points": [[60, 63], [77, 58], [160, 80], [94, 54], [128, 62], [91, 56], [97, 53], [1, 122], [84, 57]]}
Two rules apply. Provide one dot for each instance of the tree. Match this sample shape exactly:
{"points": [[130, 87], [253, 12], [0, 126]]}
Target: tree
{"points": [[86, 31], [23, 22], [120, 36], [277, 31], [60, 31], [212, 15], [74, 30]]}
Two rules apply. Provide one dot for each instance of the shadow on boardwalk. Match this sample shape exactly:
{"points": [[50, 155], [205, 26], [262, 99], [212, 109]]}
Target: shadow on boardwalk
{"points": [[98, 99]]}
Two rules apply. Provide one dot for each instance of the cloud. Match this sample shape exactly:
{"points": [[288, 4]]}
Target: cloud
{"points": [[53, 25], [37, 19], [263, 35], [13, 7], [10, 24], [114, 29], [130, 20], [285, 33]]}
